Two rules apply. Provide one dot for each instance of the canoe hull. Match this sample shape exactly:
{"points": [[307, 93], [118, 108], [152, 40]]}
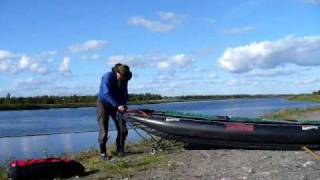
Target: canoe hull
{"points": [[230, 134]]}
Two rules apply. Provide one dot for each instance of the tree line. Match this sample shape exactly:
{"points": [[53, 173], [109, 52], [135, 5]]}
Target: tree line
{"points": [[316, 92], [73, 99], [91, 99]]}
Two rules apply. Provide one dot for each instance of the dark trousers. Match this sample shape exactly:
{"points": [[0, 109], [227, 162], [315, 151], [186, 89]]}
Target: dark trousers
{"points": [[103, 112]]}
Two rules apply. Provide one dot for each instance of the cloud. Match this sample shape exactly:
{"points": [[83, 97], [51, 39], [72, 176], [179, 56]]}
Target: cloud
{"points": [[131, 60], [278, 71], [29, 83], [5, 54], [301, 51], [179, 61], [24, 62], [167, 15], [238, 30], [312, 81], [46, 54], [64, 66], [163, 63], [90, 45], [5, 65], [20, 63], [92, 57], [168, 22], [37, 68]]}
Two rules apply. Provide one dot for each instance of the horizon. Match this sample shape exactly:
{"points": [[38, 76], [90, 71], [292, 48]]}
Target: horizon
{"points": [[12, 96], [173, 47]]}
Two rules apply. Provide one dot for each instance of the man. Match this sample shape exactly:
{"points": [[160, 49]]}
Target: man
{"points": [[112, 99]]}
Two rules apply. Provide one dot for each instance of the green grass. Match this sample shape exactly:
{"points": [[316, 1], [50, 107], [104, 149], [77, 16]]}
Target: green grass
{"points": [[305, 97], [3, 173], [137, 159], [291, 113]]}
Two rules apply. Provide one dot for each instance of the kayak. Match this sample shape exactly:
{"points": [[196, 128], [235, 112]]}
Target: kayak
{"points": [[226, 131]]}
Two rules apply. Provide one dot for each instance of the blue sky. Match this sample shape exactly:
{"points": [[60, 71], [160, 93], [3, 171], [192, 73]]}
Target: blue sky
{"points": [[174, 47]]}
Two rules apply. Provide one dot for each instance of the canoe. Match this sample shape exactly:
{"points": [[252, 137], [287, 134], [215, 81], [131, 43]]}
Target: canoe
{"points": [[226, 131]]}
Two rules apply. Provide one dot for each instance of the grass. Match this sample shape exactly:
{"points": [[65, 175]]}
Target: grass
{"points": [[137, 158], [296, 113], [3, 173], [306, 97], [291, 113]]}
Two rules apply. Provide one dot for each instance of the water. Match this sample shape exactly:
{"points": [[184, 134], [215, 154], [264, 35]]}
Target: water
{"points": [[71, 130]]}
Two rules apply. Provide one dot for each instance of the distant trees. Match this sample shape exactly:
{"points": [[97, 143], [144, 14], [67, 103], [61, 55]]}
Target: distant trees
{"points": [[73, 99], [7, 99], [91, 99], [47, 99], [144, 97], [316, 92]]}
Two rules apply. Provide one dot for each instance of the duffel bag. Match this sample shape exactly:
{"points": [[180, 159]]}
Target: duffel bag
{"points": [[44, 168]]}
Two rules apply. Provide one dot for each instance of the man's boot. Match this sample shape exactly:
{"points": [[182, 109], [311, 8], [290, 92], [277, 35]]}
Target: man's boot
{"points": [[103, 152], [120, 148]]}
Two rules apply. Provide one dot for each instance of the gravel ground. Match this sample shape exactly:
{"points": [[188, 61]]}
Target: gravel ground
{"points": [[229, 164], [234, 164]]}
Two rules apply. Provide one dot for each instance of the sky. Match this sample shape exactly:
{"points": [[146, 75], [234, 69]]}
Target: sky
{"points": [[173, 47]]}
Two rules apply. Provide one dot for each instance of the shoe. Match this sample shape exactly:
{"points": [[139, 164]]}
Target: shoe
{"points": [[105, 157]]}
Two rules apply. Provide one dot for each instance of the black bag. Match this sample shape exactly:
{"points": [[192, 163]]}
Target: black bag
{"points": [[45, 168]]}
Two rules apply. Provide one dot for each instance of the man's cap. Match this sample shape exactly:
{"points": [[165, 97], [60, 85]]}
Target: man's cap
{"points": [[124, 70]]}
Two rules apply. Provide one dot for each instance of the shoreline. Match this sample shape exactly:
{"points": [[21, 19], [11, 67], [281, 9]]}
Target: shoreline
{"points": [[17, 107]]}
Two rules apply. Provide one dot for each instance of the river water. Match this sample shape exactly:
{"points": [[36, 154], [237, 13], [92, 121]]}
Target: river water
{"points": [[32, 133]]}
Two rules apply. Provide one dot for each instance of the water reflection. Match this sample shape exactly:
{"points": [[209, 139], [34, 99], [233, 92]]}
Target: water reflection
{"points": [[36, 146]]}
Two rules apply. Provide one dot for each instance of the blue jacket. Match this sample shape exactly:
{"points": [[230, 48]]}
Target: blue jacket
{"points": [[109, 91]]}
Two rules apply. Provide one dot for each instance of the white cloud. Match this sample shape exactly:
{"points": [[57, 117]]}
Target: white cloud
{"points": [[179, 61], [90, 45], [46, 54], [171, 21], [64, 66], [238, 30], [131, 60], [28, 83], [163, 63], [278, 71], [24, 62], [5, 65], [171, 63], [92, 57], [5, 54], [301, 51], [37, 68], [155, 26], [16, 63], [166, 15]]}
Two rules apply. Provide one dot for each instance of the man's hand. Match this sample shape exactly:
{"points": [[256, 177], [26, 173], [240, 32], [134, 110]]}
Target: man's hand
{"points": [[122, 108]]}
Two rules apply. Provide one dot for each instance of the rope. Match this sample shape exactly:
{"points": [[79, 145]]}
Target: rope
{"points": [[316, 156], [139, 134]]}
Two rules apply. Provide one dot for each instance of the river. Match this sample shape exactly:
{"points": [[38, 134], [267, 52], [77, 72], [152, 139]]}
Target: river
{"points": [[33, 133]]}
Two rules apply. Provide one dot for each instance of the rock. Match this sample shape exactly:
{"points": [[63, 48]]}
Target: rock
{"points": [[308, 163]]}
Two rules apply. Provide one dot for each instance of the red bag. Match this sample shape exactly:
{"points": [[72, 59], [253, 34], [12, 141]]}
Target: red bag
{"points": [[44, 168]]}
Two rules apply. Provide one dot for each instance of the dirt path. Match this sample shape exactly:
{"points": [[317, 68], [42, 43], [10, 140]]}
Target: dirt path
{"points": [[227, 164]]}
